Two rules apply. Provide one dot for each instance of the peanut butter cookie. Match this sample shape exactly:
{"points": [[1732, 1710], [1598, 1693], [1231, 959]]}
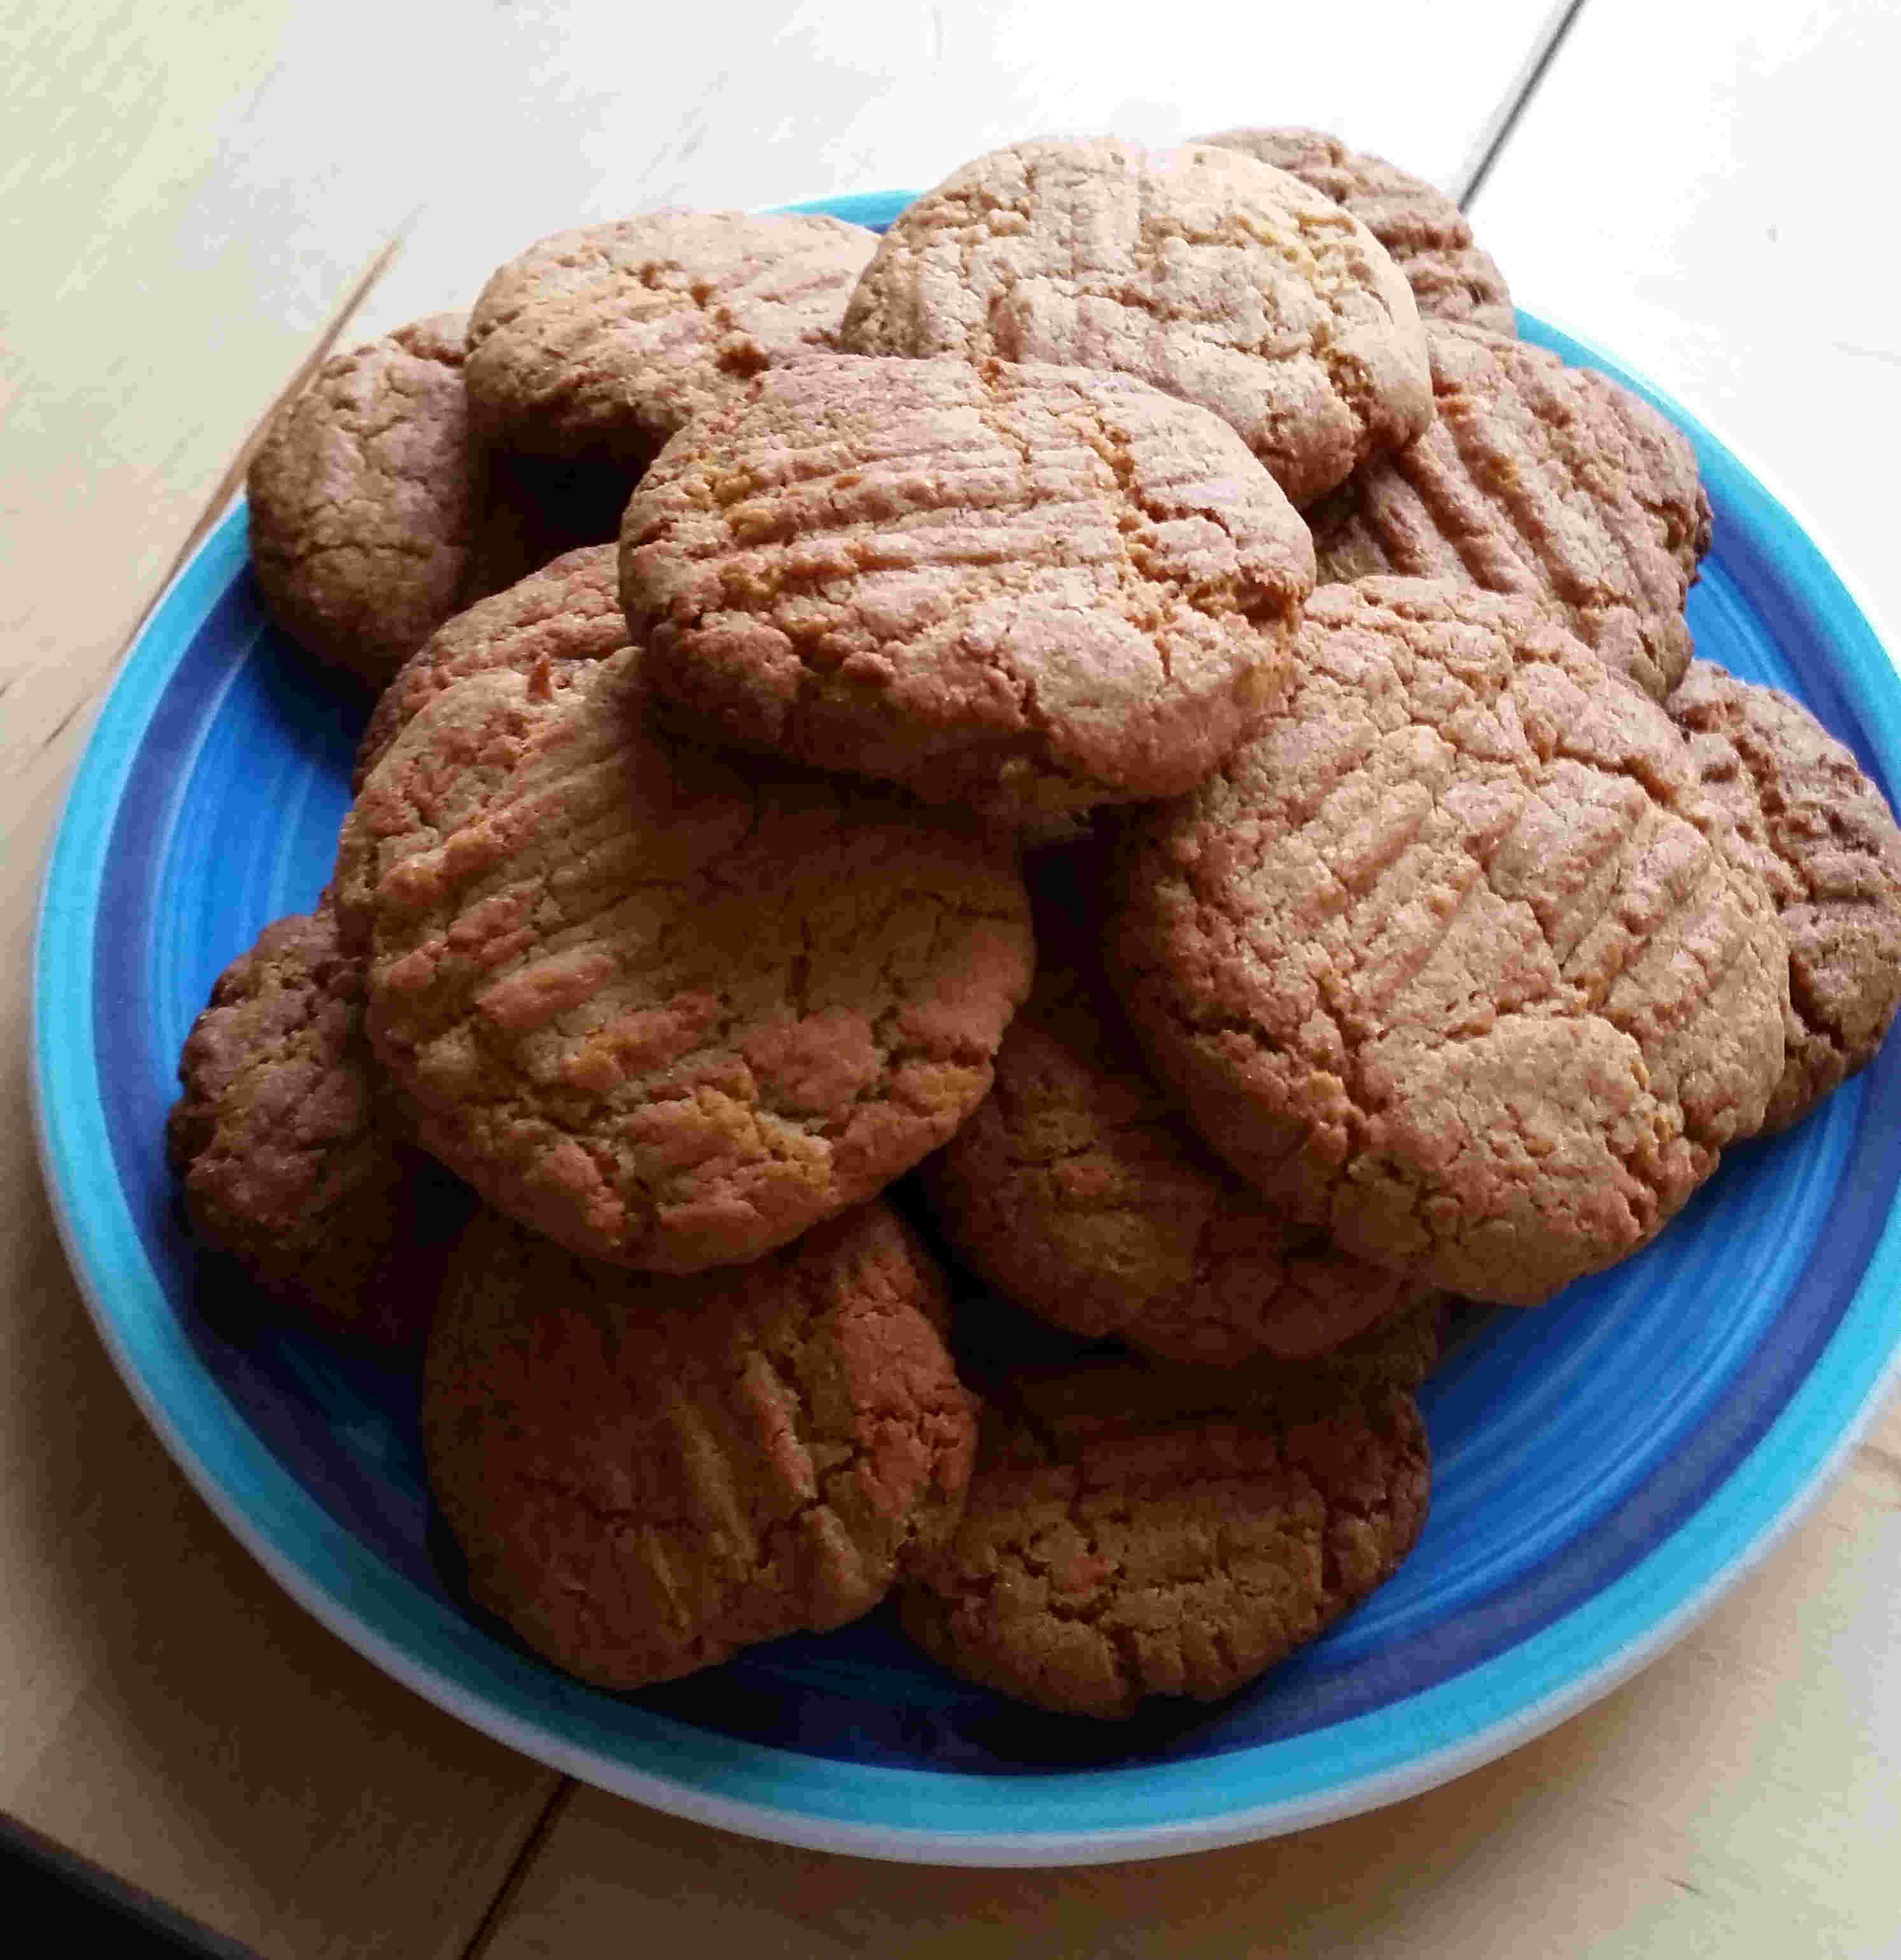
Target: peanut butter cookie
{"points": [[554, 622], [670, 1007], [1540, 479], [363, 501], [292, 1159], [1028, 589], [1824, 841], [648, 1474], [600, 343], [1444, 960], [1080, 1190], [1117, 1545], [1202, 272], [1424, 232]]}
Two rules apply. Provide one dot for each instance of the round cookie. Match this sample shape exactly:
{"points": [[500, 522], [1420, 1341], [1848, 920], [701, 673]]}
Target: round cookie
{"points": [[1824, 842], [1027, 589], [1079, 1191], [671, 1007], [1110, 1552], [1540, 479], [554, 622], [1424, 232], [291, 1159], [601, 343], [1444, 960], [646, 1475], [1205, 273], [363, 500]]}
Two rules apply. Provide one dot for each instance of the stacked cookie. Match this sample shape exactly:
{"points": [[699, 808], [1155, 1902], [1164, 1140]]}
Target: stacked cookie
{"points": [[903, 732]]}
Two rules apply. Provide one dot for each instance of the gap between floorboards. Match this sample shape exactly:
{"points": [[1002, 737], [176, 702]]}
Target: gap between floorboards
{"points": [[1493, 138], [538, 1835]]}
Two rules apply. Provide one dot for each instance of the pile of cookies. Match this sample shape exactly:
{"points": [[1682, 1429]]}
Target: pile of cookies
{"points": [[1133, 696]]}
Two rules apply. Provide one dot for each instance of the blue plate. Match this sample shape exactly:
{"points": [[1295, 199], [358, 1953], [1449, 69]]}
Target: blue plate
{"points": [[1607, 1467]]}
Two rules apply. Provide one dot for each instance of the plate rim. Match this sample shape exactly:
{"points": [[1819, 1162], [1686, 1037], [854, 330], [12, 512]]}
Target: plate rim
{"points": [[90, 804]]}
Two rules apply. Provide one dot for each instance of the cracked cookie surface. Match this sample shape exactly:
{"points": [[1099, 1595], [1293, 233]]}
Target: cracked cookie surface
{"points": [[1118, 1544], [1540, 479], [1203, 272], [602, 342], [1822, 839], [1079, 1189], [1026, 588], [1445, 961], [365, 501], [647, 1474], [670, 1006], [554, 622], [291, 1160], [1424, 233]]}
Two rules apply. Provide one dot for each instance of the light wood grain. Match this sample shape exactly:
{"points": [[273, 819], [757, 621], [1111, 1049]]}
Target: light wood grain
{"points": [[134, 354]]}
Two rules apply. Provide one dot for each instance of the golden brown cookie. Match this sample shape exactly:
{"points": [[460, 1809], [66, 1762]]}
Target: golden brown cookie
{"points": [[669, 1007], [1079, 1190], [1027, 589], [601, 343], [646, 1475], [554, 622], [1824, 841], [1116, 1546], [374, 514], [1540, 479], [1444, 960], [1424, 232], [291, 1158], [1205, 273], [363, 501]]}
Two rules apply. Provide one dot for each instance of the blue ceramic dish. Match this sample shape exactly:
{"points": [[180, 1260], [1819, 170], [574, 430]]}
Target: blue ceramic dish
{"points": [[1607, 1467]]}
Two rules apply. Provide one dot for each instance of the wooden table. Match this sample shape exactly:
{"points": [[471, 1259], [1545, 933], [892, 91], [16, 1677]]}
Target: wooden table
{"points": [[199, 199]]}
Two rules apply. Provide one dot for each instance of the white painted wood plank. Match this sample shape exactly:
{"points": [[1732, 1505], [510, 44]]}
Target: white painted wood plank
{"points": [[1707, 193], [765, 103]]}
